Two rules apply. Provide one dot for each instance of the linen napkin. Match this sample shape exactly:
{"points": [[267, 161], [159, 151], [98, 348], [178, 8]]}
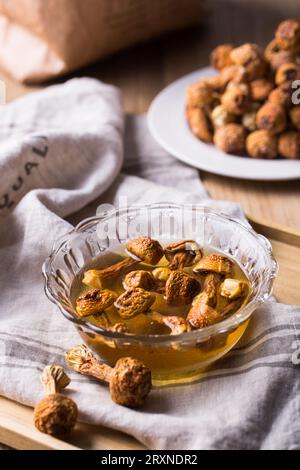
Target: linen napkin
{"points": [[61, 154]]}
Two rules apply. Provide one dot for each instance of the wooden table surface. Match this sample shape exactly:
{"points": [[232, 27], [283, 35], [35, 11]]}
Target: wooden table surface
{"points": [[143, 71]]}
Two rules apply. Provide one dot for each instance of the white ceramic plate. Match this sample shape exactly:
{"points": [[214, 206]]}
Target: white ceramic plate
{"points": [[167, 124]]}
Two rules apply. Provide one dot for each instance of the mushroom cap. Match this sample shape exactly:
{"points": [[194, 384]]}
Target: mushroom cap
{"points": [[277, 56], [230, 138], [94, 301], [288, 34], [146, 249], [199, 123], [181, 288], [262, 144], [271, 117], [287, 72], [289, 144], [55, 415], [143, 279], [134, 301], [190, 248], [199, 94], [220, 56], [220, 116], [202, 315], [237, 98], [130, 382], [215, 263]]}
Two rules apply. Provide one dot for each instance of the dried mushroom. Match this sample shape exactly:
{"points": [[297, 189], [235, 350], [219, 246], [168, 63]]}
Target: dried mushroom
{"points": [[182, 253], [249, 121], [129, 381], [55, 414], [251, 57], [143, 279], [233, 73], [232, 306], [262, 144], [134, 301], [288, 35], [202, 315], [94, 302], [277, 56], [220, 116], [287, 73], [220, 56], [271, 117], [230, 138], [289, 144], [199, 123], [216, 263], [146, 249], [93, 277], [209, 294], [233, 288], [200, 94], [176, 324], [203, 312], [260, 89], [295, 117], [181, 288], [237, 98], [281, 95]]}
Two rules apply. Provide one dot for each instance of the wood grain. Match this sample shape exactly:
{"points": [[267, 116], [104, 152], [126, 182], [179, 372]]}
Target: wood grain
{"points": [[17, 431]]}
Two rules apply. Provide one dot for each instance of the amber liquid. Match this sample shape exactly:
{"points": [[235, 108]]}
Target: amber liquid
{"points": [[171, 360]]}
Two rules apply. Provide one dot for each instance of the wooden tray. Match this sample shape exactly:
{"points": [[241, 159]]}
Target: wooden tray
{"points": [[16, 428]]}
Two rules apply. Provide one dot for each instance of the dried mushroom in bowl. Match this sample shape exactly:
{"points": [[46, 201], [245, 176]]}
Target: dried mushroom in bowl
{"points": [[157, 288], [247, 107]]}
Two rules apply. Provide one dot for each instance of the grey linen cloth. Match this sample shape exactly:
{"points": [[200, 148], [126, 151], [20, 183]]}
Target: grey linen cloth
{"points": [[61, 155]]}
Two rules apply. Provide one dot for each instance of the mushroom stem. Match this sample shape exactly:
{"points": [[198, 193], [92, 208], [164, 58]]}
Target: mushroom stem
{"points": [[203, 311], [54, 379], [129, 381], [232, 306], [209, 294], [82, 360], [111, 272]]}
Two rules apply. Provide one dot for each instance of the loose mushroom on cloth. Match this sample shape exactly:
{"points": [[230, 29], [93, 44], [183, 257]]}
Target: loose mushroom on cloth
{"points": [[63, 151]]}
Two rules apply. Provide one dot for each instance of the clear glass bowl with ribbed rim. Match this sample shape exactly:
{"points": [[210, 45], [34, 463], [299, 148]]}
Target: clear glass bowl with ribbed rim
{"points": [[172, 359]]}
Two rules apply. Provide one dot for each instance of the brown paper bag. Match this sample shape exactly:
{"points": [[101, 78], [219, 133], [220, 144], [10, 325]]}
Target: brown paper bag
{"points": [[40, 39]]}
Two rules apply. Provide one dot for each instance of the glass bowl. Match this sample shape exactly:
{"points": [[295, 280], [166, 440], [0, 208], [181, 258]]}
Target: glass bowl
{"points": [[172, 359]]}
